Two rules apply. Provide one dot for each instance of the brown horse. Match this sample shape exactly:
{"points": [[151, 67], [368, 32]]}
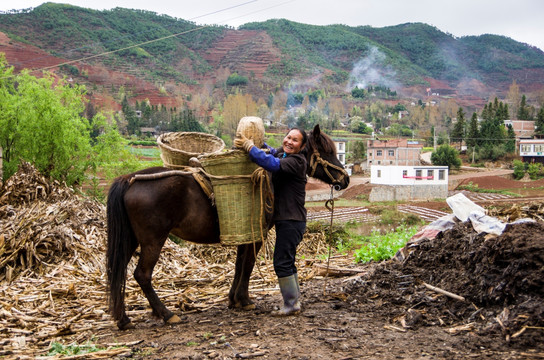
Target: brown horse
{"points": [[144, 213]]}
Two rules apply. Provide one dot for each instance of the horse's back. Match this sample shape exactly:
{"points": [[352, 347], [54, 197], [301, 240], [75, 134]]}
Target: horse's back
{"points": [[171, 204]]}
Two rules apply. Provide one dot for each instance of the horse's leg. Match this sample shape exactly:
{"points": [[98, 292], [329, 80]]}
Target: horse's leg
{"points": [[124, 322], [149, 255], [239, 291]]}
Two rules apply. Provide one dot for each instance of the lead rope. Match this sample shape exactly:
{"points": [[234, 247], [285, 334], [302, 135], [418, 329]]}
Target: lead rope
{"points": [[331, 209], [260, 178]]}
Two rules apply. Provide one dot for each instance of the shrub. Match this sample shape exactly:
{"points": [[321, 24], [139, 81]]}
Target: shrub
{"points": [[446, 155], [535, 171], [236, 80], [519, 169]]}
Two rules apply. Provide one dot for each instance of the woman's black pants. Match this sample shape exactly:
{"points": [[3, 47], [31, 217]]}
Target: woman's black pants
{"points": [[288, 235]]}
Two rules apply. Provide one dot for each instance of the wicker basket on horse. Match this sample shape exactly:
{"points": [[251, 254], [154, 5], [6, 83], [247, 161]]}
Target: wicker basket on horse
{"points": [[242, 196], [178, 147]]}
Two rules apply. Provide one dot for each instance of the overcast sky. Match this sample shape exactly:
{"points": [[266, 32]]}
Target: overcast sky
{"points": [[521, 20]]}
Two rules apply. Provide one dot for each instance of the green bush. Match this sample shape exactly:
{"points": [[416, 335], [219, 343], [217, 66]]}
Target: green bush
{"points": [[535, 171], [446, 155], [236, 80], [519, 169], [492, 153]]}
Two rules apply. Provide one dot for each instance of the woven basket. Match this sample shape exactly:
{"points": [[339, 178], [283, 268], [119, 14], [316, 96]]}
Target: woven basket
{"points": [[178, 147], [238, 202], [252, 127]]}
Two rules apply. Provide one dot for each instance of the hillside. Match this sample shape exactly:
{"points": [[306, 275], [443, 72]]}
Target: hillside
{"points": [[148, 56]]}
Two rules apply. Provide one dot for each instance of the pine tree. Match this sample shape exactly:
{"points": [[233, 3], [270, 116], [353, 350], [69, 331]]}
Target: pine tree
{"points": [[510, 145], [473, 134], [523, 110], [539, 123], [458, 132]]}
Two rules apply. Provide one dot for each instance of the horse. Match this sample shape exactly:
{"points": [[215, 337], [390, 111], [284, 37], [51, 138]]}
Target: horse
{"points": [[143, 213]]}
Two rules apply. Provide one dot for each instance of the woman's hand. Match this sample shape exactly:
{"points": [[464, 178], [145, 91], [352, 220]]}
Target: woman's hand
{"points": [[243, 143]]}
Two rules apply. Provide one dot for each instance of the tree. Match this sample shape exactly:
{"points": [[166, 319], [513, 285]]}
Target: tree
{"points": [[473, 134], [519, 169], [539, 123], [510, 145], [513, 97], [236, 80], [358, 151], [188, 122], [359, 127], [358, 93], [458, 132], [236, 107], [446, 155], [336, 112], [41, 122], [523, 110], [133, 122], [492, 129]]}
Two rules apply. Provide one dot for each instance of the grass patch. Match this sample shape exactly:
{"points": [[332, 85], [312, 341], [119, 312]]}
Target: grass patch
{"points": [[474, 188], [146, 152], [377, 246], [72, 349]]}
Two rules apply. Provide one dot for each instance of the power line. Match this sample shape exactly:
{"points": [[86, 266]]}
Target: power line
{"points": [[158, 39], [122, 49]]}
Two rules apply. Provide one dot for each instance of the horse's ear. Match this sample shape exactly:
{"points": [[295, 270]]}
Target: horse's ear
{"points": [[317, 131]]}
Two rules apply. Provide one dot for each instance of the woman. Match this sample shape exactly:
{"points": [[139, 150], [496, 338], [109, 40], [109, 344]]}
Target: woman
{"points": [[288, 167]]}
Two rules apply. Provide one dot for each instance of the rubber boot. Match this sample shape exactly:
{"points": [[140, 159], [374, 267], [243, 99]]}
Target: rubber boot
{"points": [[298, 285], [290, 293]]}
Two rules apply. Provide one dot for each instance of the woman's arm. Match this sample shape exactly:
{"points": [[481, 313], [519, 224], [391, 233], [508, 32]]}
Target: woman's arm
{"points": [[267, 161]]}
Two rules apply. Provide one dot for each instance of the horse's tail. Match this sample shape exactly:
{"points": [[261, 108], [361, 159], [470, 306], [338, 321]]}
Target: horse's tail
{"points": [[121, 245]]}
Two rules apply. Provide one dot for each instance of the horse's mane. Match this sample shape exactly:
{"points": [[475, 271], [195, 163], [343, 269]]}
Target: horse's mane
{"points": [[325, 141]]}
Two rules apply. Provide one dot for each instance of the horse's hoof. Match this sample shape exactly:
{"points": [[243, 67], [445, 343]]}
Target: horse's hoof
{"points": [[249, 307], [174, 319], [245, 307], [126, 326]]}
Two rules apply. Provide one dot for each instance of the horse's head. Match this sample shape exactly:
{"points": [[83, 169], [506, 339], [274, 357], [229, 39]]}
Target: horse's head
{"points": [[322, 161]]}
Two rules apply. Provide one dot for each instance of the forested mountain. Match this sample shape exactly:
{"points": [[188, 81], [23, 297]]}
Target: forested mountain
{"points": [[147, 55]]}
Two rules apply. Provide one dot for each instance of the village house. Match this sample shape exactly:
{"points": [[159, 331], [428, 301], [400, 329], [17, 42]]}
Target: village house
{"points": [[532, 150], [393, 152], [341, 150], [524, 129], [149, 131], [396, 183]]}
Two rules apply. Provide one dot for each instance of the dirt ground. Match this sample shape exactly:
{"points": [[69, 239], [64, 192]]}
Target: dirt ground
{"points": [[386, 311], [493, 307]]}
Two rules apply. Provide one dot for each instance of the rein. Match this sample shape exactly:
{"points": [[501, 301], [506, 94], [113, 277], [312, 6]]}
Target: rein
{"points": [[329, 204], [316, 159]]}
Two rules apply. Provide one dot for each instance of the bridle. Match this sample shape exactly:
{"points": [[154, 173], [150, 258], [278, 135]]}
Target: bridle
{"points": [[316, 159]]}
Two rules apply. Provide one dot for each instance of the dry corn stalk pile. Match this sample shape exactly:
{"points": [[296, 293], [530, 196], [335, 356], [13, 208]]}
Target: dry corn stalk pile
{"points": [[533, 211], [52, 269]]}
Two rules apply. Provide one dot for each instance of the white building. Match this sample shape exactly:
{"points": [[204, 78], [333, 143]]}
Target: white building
{"points": [[408, 175], [341, 154], [532, 150], [341, 150], [408, 182]]}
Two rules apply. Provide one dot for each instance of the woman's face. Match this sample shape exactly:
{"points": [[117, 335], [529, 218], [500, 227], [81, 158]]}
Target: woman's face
{"points": [[292, 142]]}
